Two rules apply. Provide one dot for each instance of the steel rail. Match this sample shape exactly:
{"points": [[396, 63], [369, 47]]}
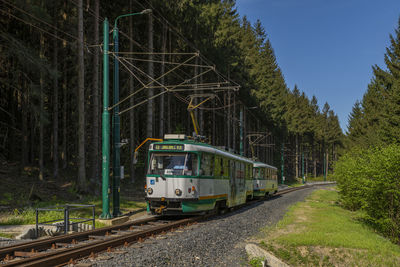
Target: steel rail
{"points": [[47, 243], [64, 255]]}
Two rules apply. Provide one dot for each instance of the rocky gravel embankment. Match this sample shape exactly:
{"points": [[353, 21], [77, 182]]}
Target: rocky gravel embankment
{"points": [[219, 241]]}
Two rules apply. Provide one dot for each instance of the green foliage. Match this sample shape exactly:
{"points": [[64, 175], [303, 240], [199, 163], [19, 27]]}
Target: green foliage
{"points": [[376, 119], [369, 179], [256, 262], [32, 59], [318, 232]]}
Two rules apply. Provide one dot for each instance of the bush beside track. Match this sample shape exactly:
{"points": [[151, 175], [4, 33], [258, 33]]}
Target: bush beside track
{"points": [[369, 180]]}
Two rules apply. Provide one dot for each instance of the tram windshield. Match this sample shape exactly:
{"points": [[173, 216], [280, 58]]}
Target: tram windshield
{"points": [[173, 164]]}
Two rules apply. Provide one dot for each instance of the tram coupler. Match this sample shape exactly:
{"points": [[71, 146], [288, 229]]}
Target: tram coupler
{"points": [[160, 209]]}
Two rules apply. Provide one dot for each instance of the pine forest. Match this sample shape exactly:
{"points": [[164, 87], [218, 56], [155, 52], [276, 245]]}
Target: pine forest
{"points": [[51, 97]]}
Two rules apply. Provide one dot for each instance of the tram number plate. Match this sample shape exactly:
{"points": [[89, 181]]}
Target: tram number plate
{"points": [[152, 181], [169, 147]]}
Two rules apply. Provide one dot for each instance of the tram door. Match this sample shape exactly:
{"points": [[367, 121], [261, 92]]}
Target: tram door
{"points": [[232, 182]]}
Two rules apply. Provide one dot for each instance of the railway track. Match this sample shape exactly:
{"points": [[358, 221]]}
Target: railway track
{"points": [[61, 250]]}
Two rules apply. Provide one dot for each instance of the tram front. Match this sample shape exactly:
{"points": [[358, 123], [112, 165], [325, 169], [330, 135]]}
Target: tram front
{"points": [[171, 177]]}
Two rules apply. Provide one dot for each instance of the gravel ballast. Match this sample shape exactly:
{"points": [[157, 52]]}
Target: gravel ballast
{"points": [[219, 241]]}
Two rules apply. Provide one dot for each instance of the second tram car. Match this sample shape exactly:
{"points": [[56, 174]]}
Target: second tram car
{"points": [[265, 179], [187, 177]]}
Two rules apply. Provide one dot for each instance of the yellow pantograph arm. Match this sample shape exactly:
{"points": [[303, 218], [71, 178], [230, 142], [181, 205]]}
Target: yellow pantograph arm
{"points": [[148, 139]]}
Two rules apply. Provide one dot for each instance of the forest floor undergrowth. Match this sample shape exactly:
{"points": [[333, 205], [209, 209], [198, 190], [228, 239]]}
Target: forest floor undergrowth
{"points": [[21, 191]]}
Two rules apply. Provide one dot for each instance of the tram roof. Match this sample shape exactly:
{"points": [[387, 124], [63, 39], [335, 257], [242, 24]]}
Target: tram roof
{"points": [[262, 164], [192, 145]]}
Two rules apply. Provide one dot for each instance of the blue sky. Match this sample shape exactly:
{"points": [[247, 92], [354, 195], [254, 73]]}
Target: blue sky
{"points": [[327, 47]]}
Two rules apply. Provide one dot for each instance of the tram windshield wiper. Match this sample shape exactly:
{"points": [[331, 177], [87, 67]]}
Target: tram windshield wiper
{"points": [[163, 177]]}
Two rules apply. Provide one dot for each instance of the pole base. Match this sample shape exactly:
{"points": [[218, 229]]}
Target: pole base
{"points": [[105, 216], [117, 214]]}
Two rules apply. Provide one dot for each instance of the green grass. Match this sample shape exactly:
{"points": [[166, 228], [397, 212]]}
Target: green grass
{"points": [[28, 216], [299, 182], [310, 178], [319, 232], [6, 235], [256, 262], [295, 184]]}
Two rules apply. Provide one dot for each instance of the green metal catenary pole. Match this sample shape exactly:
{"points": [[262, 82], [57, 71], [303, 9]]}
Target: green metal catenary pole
{"points": [[116, 119], [116, 129], [105, 129]]}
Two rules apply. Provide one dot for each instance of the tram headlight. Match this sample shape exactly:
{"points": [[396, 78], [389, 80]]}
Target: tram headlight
{"points": [[149, 190], [178, 192]]}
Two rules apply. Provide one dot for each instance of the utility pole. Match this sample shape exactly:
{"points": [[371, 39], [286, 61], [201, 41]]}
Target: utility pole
{"points": [[116, 128], [105, 129], [116, 123]]}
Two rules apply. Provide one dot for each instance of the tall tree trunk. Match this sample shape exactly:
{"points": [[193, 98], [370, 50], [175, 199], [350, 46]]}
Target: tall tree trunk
{"points": [[81, 104], [245, 146], [162, 81], [214, 130], [131, 102], [169, 129], [95, 94], [24, 107], [258, 148], [266, 149], [229, 120], [150, 71], [195, 101], [64, 157], [234, 124], [33, 134], [327, 160], [314, 159], [41, 119], [55, 107], [306, 163], [297, 156], [201, 113]]}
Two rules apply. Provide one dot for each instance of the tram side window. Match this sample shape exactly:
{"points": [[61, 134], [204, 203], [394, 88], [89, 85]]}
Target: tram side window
{"points": [[237, 169], [226, 167], [256, 173], [218, 167], [207, 164]]}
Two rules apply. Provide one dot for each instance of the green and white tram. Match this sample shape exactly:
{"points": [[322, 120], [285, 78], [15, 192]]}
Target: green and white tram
{"points": [[185, 176], [265, 179]]}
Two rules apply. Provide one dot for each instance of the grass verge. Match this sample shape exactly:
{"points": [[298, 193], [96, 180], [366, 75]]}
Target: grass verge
{"points": [[7, 235], [318, 232], [28, 216]]}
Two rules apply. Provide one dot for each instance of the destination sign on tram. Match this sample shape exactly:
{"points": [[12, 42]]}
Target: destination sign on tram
{"points": [[169, 147]]}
